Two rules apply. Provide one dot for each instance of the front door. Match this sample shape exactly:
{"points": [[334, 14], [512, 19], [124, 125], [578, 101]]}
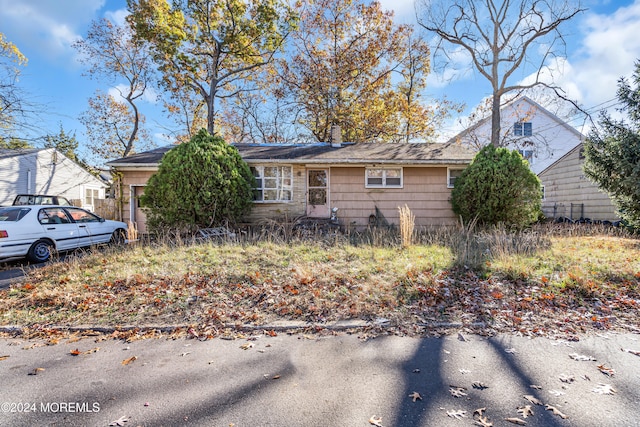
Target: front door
{"points": [[318, 193]]}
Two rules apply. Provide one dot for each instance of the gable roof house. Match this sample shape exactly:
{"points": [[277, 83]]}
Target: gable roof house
{"points": [[47, 171], [539, 135], [359, 179], [569, 194]]}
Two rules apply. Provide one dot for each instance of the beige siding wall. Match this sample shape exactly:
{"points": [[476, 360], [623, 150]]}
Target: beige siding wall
{"points": [[565, 185], [424, 191], [134, 178]]}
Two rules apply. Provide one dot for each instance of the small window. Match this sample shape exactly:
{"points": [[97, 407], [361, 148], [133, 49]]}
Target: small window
{"points": [[542, 190], [452, 175], [273, 183], [90, 195], [522, 129], [383, 177], [527, 155]]}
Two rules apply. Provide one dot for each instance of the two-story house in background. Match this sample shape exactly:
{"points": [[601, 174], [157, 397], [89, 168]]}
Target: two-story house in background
{"points": [[553, 149]]}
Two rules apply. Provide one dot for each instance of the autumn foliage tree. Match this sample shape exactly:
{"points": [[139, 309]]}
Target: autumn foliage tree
{"points": [[345, 62], [200, 183], [209, 48], [110, 125], [11, 99], [114, 122]]}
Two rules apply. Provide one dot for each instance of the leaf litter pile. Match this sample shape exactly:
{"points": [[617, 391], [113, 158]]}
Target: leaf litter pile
{"points": [[575, 285]]}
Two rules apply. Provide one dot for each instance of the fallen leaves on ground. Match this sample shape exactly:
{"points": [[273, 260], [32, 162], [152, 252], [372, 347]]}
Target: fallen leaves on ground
{"points": [[479, 385], [457, 391], [606, 370], [581, 357], [36, 371], [567, 378], [483, 422], [555, 411], [415, 396], [532, 399], [626, 350], [119, 422], [4, 357], [604, 389], [525, 411], [248, 285], [516, 421], [458, 414], [375, 421], [129, 360]]}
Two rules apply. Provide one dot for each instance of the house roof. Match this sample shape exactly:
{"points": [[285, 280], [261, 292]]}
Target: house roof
{"points": [[347, 153], [514, 101], [567, 154], [6, 153]]}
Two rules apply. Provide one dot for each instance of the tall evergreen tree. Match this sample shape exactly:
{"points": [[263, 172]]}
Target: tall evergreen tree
{"points": [[612, 152]]}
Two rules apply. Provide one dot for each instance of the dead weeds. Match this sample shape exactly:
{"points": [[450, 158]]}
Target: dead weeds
{"points": [[577, 284]]}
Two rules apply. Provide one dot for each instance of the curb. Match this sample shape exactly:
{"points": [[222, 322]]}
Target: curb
{"points": [[283, 326]]}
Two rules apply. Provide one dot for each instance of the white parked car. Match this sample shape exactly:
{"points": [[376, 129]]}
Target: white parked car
{"points": [[35, 231]]}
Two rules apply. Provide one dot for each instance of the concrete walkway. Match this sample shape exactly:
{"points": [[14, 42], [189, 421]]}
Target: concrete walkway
{"points": [[311, 380]]}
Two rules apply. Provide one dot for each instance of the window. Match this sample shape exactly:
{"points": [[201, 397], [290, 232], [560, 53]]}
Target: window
{"points": [[452, 175], [527, 155], [522, 129], [542, 190], [383, 178], [273, 183], [90, 194], [80, 215]]}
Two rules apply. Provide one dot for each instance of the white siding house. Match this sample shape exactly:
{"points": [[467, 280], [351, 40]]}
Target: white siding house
{"points": [[539, 135], [47, 171]]}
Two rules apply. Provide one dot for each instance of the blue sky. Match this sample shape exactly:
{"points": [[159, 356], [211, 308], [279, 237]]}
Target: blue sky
{"points": [[603, 45]]}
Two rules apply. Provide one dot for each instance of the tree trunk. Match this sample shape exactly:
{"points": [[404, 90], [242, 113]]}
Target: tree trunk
{"points": [[495, 120]]}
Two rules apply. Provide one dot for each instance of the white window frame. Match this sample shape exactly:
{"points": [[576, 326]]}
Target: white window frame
{"points": [[284, 173], [449, 183], [520, 129], [89, 200], [383, 178], [523, 153]]}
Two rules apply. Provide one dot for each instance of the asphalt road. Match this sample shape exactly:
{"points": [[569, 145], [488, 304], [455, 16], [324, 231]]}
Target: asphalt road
{"points": [[300, 380]]}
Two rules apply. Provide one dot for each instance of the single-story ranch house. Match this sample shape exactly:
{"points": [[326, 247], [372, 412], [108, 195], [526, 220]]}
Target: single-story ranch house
{"points": [[359, 179]]}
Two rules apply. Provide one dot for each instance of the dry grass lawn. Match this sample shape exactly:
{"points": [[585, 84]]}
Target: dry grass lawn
{"points": [[541, 282]]}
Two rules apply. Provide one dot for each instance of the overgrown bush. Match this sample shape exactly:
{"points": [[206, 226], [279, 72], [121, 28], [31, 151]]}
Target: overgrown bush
{"points": [[498, 188], [201, 183]]}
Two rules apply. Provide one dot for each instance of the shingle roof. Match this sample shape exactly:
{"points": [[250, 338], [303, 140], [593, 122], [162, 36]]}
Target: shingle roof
{"points": [[6, 153], [347, 153]]}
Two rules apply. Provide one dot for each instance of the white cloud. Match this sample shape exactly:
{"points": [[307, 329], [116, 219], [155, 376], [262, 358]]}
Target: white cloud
{"points": [[46, 27], [404, 11], [150, 94], [609, 50], [117, 16]]}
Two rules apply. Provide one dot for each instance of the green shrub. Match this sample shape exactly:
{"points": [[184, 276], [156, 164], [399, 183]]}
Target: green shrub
{"points": [[498, 188], [201, 183]]}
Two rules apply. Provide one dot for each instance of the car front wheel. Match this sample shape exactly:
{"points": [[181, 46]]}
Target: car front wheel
{"points": [[40, 251], [118, 237]]}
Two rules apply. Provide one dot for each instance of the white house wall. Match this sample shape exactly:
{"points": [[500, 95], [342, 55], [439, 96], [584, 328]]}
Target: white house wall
{"points": [[551, 137], [46, 172]]}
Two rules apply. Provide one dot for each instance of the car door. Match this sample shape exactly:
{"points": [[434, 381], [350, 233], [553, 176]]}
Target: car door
{"points": [[58, 226], [92, 228]]}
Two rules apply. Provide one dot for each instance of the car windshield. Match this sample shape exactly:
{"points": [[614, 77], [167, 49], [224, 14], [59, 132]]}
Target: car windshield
{"points": [[13, 214]]}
